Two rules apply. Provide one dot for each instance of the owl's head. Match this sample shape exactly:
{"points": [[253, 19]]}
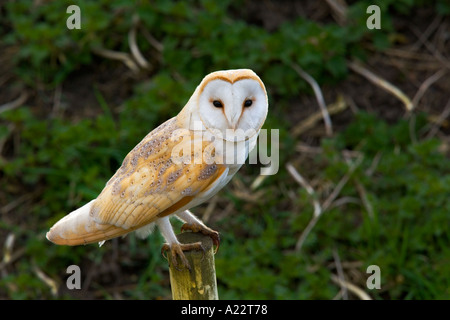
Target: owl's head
{"points": [[232, 102]]}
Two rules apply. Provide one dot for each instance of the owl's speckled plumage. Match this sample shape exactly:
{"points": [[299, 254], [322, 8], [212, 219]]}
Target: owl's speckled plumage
{"points": [[150, 185]]}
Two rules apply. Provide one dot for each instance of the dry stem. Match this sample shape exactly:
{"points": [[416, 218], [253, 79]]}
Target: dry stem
{"points": [[380, 82], [319, 97], [351, 287], [137, 55], [122, 56]]}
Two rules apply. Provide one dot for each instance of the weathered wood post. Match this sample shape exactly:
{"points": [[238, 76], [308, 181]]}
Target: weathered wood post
{"points": [[200, 282]]}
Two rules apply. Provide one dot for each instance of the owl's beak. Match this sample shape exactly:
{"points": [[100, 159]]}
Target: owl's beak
{"points": [[233, 118]]}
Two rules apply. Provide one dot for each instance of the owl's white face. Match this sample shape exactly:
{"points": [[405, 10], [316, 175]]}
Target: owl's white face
{"points": [[235, 109]]}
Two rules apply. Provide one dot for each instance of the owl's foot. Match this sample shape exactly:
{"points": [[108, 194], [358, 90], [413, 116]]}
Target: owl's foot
{"points": [[176, 249], [195, 227]]}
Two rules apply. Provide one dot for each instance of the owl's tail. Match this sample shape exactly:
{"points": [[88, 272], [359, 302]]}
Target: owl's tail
{"points": [[79, 227]]}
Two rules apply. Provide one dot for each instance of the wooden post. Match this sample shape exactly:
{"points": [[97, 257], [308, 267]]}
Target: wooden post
{"points": [[200, 282]]}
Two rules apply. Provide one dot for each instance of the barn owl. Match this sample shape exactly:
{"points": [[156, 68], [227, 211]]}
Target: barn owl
{"points": [[179, 165]]}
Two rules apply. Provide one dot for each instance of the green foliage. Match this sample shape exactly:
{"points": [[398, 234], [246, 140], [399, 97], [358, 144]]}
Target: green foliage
{"points": [[49, 52], [64, 162], [404, 233]]}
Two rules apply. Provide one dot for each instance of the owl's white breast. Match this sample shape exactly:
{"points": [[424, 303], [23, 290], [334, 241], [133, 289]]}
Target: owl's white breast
{"points": [[233, 154]]}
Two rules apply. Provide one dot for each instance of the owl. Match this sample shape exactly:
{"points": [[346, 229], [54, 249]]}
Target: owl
{"points": [[179, 165]]}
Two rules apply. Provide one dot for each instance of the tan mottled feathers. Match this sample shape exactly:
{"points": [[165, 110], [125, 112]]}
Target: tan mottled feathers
{"points": [[147, 186]]}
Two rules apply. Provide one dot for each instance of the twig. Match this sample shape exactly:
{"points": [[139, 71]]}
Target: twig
{"points": [[297, 177], [344, 200], [153, 42], [57, 101], [258, 181], [14, 256], [374, 164], [9, 243], [16, 202], [339, 8], [305, 148], [317, 208], [122, 56], [426, 34], [338, 296], [426, 84], [409, 55], [319, 97], [136, 53], [442, 117], [365, 201], [351, 103], [242, 192], [305, 233], [47, 280], [362, 191], [15, 103], [351, 287], [339, 106], [414, 65], [377, 80], [432, 49], [347, 264], [326, 204], [441, 36], [340, 272], [209, 210]]}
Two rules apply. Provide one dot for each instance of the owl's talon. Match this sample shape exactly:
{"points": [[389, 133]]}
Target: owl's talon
{"points": [[164, 249], [214, 235], [176, 250]]}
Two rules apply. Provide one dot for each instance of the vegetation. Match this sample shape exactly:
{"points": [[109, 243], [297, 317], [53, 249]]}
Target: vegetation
{"points": [[382, 179]]}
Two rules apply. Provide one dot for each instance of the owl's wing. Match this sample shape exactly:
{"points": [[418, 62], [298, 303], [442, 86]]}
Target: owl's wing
{"points": [[150, 184]]}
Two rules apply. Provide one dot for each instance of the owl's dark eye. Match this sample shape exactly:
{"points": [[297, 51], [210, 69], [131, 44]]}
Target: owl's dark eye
{"points": [[217, 104], [248, 103]]}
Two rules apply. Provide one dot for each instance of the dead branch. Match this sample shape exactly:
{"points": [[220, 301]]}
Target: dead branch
{"points": [[339, 11], [15, 103], [351, 287], [430, 47], [209, 209], [319, 97], [340, 271], [364, 199], [317, 208], [326, 204], [14, 256], [152, 41], [426, 84], [441, 119], [136, 53], [426, 34], [297, 177], [115, 55], [311, 121], [302, 238], [258, 181], [380, 82], [52, 284], [305, 148]]}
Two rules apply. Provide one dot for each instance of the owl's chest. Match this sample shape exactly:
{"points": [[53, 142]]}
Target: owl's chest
{"points": [[232, 154]]}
